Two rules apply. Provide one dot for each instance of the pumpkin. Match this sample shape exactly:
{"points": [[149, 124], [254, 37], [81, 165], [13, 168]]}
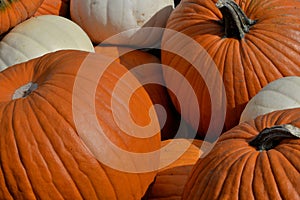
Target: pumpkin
{"points": [[54, 7], [40, 35], [257, 159], [102, 19], [277, 95], [170, 180], [14, 12], [150, 75], [251, 43], [56, 144]]}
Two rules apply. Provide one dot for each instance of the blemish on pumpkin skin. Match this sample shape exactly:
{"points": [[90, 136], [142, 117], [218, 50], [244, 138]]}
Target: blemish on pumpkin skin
{"points": [[140, 17], [140, 22]]}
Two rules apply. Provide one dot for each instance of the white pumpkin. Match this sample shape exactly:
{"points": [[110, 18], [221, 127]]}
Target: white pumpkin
{"points": [[40, 35], [280, 94], [102, 19]]}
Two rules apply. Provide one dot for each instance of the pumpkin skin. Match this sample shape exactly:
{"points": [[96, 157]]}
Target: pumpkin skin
{"points": [[267, 52], [13, 12], [102, 19], [30, 39], [42, 154], [277, 95], [170, 180], [54, 7], [158, 94], [236, 170]]}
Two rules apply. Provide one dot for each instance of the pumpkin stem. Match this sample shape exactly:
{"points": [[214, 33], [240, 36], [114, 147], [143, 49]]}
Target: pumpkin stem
{"points": [[25, 90], [234, 20], [269, 138]]}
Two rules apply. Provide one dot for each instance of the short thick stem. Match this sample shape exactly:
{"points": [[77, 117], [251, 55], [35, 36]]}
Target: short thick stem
{"points": [[5, 4], [25, 90], [234, 20], [269, 138]]}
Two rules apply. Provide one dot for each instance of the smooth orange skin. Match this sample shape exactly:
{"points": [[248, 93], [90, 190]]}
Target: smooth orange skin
{"points": [[54, 7], [17, 12], [267, 52], [42, 156], [236, 170], [158, 94]]}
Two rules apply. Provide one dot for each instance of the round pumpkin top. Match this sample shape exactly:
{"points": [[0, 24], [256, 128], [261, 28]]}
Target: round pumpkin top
{"points": [[237, 169], [265, 49], [51, 132], [13, 12]]}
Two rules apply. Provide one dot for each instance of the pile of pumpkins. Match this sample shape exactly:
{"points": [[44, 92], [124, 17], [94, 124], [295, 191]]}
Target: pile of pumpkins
{"points": [[149, 99]]}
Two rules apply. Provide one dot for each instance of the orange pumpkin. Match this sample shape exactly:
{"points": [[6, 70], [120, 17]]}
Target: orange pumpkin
{"points": [[250, 42], [258, 159], [54, 7], [49, 144], [151, 71], [14, 12], [170, 180]]}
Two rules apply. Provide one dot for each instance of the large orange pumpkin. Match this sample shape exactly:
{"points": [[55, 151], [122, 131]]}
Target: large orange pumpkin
{"points": [[258, 159], [15, 11], [151, 71], [251, 43], [48, 148]]}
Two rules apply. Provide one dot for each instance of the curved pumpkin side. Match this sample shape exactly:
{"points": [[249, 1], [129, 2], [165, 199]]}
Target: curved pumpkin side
{"points": [[14, 12], [104, 19], [54, 7], [150, 71], [30, 39], [276, 95]]}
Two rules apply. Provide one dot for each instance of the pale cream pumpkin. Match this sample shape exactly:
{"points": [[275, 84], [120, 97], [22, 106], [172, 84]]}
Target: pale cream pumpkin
{"points": [[40, 35], [280, 94], [102, 19]]}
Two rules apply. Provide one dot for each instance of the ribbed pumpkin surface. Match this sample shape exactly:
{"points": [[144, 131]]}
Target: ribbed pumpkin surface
{"points": [[54, 7], [147, 68], [42, 154], [12, 12], [236, 170], [267, 52]]}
